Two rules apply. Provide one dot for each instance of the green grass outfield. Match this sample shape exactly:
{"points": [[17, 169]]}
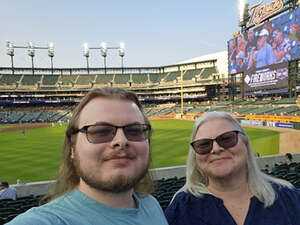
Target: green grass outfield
{"points": [[35, 156]]}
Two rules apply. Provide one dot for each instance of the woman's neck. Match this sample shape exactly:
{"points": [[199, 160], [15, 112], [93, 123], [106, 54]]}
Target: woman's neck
{"points": [[229, 188]]}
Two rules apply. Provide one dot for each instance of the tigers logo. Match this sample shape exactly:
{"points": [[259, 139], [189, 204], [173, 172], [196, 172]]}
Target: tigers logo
{"points": [[259, 14]]}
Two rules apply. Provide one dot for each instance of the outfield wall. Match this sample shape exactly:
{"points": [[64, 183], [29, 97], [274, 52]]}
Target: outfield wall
{"points": [[41, 188]]}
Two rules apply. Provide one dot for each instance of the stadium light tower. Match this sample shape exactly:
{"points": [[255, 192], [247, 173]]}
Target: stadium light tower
{"points": [[31, 53], [103, 48], [51, 54], [86, 53], [241, 7], [122, 53], [11, 53]]}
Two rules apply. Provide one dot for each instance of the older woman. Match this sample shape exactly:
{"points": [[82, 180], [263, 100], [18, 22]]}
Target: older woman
{"points": [[224, 185]]}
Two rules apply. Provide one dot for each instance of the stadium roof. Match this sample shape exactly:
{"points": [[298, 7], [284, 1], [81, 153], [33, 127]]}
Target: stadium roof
{"points": [[221, 57]]}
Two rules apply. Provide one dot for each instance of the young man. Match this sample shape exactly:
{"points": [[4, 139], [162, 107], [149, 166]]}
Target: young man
{"points": [[104, 176], [7, 192]]}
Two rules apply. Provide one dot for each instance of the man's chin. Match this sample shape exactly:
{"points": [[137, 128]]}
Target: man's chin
{"points": [[116, 184]]}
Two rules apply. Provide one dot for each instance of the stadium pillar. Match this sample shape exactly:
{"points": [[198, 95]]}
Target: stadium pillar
{"points": [[32, 65], [181, 76], [12, 64]]}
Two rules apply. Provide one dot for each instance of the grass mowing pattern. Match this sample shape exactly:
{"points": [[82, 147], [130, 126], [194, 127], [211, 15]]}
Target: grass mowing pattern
{"points": [[33, 157], [36, 156]]}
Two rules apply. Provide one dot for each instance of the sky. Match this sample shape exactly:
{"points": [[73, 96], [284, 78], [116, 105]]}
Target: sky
{"points": [[155, 32]]}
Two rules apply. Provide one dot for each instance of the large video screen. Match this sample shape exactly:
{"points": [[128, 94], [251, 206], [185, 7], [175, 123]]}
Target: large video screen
{"points": [[275, 41], [269, 77]]}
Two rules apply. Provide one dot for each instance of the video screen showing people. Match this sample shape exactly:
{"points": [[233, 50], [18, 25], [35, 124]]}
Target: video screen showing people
{"points": [[273, 42]]}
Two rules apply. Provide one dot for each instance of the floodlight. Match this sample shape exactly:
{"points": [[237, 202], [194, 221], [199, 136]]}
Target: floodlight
{"points": [[241, 6], [103, 48], [30, 49], [86, 51], [122, 49], [10, 49], [51, 49]]}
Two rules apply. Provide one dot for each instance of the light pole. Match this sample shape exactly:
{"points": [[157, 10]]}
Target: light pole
{"points": [[51, 54], [86, 53], [11, 53], [122, 53], [31, 53], [103, 48]]}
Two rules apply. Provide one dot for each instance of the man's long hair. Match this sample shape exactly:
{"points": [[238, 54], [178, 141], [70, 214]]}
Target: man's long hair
{"points": [[67, 178]]}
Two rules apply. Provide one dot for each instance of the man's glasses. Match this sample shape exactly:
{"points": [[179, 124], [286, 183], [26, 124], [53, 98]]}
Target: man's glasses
{"points": [[101, 133], [225, 140]]}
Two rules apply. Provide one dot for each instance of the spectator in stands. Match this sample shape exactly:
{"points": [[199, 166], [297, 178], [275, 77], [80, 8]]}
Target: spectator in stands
{"points": [[281, 46], [264, 55], [104, 176], [224, 184], [287, 160], [7, 192]]}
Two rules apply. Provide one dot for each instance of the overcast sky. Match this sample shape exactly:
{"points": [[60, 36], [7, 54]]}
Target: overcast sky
{"points": [[155, 32]]}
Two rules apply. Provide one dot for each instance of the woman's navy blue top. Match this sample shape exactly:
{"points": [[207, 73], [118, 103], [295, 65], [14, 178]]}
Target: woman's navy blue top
{"points": [[186, 209]]}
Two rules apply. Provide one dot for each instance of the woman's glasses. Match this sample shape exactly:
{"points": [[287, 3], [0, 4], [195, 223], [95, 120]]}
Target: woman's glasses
{"points": [[225, 140]]}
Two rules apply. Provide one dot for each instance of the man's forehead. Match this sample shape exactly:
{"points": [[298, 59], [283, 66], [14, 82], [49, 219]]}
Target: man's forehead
{"points": [[109, 101], [110, 108]]}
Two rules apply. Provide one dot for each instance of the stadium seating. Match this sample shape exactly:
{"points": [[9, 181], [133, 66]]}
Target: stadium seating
{"points": [[190, 74], [207, 72], [171, 77], [164, 191], [104, 78], [85, 79], [30, 80], [50, 79], [140, 78], [122, 78], [9, 209], [9, 79], [156, 77]]}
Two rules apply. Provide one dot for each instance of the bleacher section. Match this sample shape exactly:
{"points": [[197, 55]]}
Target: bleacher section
{"points": [[140, 78], [85, 79], [30, 80], [50, 79], [156, 77], [10, 79], [172, 76], [207, 72], [104, 78], [52, 82], [122, 79], [16, 117], [190, 74], [68, 79]]}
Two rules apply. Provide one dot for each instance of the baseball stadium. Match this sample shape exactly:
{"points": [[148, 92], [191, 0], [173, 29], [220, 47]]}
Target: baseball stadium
{"points": [[263, 94]]}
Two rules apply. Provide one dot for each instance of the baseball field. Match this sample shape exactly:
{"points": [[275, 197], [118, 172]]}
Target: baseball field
{"points": [[32, 152]]}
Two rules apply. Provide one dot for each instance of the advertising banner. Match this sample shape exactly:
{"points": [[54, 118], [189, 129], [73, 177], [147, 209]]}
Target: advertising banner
{"points": [[252, 122], [271, 77], [284, 125]]}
